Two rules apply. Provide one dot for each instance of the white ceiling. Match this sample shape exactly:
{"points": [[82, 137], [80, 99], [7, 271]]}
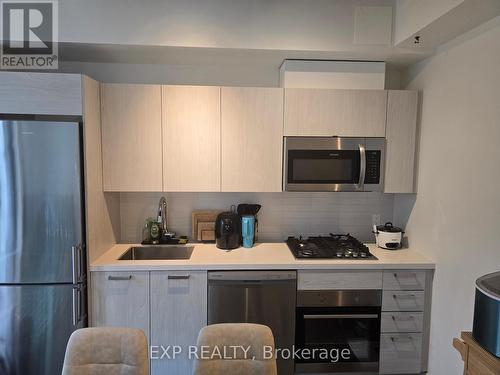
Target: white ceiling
{"points": [[195, 32]]}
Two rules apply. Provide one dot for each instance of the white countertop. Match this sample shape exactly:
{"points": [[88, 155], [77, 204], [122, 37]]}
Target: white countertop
{"points": [[261, 256]]}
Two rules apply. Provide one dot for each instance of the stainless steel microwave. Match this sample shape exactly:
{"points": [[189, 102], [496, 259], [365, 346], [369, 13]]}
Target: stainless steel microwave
{"points": [[333, 164]]}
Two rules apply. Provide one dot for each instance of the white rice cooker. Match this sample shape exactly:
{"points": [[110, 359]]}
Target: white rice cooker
{"points": [[388, 236]]}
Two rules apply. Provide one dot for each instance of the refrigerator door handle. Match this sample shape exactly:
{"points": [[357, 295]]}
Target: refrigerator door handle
{"points": [[75, 260], [77, 264], [76, 305], [79, 304], [81, 263]]}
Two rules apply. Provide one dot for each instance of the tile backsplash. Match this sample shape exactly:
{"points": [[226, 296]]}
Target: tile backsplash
{"points": [[282, 214]]}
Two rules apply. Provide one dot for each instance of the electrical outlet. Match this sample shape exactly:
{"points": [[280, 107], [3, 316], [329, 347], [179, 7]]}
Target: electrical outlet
{"points": [[375, 219]]}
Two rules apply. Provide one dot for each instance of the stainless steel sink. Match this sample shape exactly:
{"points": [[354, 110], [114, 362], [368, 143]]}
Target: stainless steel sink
{"points": [[157, 252]]}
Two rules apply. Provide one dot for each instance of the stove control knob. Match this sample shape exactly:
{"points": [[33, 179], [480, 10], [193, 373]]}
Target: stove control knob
{"points": [[347, 255], [363, 255], [354, 255], [339, 255]]}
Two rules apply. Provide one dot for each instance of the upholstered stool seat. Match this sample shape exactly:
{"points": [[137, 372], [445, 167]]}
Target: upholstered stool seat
{"points": [[257, 341], [107, 351]]}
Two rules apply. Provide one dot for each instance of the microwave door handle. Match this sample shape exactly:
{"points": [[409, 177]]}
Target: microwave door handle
{"points": [[362, 167]]}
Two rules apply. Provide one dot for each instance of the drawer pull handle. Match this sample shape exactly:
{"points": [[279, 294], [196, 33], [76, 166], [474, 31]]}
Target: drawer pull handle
{"points": [[178, 277], [402, 319], [402, 339], [407, 296], [410, 275], [119, 278]]}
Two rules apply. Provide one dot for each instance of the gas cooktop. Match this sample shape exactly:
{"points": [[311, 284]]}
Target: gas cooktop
{"points": [[335, 246]]}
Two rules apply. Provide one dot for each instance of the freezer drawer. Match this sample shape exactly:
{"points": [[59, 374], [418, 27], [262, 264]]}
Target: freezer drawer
{"points": [[35, 324]]}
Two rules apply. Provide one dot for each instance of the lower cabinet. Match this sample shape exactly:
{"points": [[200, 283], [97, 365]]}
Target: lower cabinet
{"points": [[178, 312], [169, 306], [400, 353], [120, 299], [404, 339]]}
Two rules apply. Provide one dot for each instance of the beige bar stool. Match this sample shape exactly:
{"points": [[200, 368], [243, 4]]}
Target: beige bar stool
{"points": [[106, 351], [254, 337]]}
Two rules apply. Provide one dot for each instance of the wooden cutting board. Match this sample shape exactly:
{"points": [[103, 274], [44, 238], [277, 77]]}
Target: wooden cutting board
{"points": [[203, 225]]}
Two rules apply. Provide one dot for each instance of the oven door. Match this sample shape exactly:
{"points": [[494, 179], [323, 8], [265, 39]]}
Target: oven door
{"points": [[345, 339], [332, 164]]}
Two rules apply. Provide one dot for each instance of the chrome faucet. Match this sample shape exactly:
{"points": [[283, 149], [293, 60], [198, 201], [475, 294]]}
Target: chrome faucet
{"points": [[162, 217]]}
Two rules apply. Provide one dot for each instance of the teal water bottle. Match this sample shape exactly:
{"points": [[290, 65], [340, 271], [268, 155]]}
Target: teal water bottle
{"points": [[247, 230]]}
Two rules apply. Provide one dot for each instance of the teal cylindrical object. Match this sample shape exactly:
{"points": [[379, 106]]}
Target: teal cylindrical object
{"points": [[248, 230]]}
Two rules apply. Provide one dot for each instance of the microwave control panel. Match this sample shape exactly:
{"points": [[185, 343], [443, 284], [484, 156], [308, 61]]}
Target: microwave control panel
{"points": [[372, 167]]}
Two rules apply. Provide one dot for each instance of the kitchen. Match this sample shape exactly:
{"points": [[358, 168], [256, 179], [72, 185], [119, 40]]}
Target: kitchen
{"points": [[251, 180]]}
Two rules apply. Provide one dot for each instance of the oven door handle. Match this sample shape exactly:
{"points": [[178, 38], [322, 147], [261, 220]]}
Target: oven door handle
{"points": [[362, 167], [341, 316]]}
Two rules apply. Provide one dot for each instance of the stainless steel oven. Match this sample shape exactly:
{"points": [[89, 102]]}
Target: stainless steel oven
{"points": [[342, 327], [333, 164]]}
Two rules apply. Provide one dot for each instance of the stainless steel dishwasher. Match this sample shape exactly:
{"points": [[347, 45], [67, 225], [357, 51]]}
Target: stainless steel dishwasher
{"points": [[263, 297]]}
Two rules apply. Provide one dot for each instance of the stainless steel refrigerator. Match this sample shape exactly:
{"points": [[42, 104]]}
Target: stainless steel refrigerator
{"points": [[42, 252]]}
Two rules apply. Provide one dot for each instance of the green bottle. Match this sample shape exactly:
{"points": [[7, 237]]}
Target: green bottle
{"points": [[155, 232]]}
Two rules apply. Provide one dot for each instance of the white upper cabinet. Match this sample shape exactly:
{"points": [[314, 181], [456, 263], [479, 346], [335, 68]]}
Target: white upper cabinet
{"points": [[191, 138], [131, 137], [400, 147], [252, 139], [324, 112], [208, 139], [41, 93]]}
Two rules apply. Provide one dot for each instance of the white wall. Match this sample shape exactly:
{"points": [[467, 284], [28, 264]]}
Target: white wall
{"points": [[205, 74], [321, 74], [265, 75], [282, 214], [456, 216]]}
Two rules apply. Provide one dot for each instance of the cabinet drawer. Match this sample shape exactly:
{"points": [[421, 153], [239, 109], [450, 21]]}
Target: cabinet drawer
{"points": [[403, 301], [317, 280], [404, 280], [400, 353], [402, 322]]}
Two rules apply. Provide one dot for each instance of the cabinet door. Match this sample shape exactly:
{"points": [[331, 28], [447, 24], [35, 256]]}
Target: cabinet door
{"points": [[178, 312], [40, 93], [131, 137], [400, 148], [252, 139], [191, 138], [120, 299], [323, 112]]}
